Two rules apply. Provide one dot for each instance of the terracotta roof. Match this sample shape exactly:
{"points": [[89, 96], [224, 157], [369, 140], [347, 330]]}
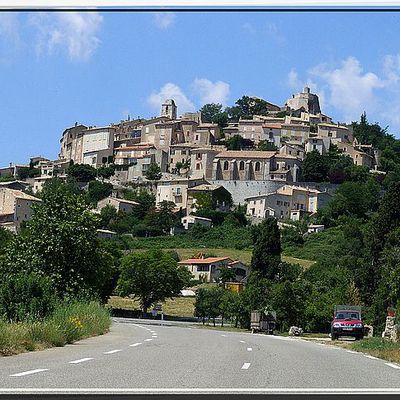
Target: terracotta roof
{"points": [[245, 154], [208, 260]]}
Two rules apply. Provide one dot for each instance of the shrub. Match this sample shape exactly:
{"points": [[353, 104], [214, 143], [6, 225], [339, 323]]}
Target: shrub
{"points": [[26, 297]]}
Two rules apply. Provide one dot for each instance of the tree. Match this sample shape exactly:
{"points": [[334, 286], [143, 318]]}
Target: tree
{"points": [[98, 191], [266, 255], [213, 113], [208, 302], [60, 242], [108, 214], [246, 107], [226, 274], [145, 198], [151, 277], [237, 142], [264, 145], [315, 167], [106, 172], [153, 173], [161, 220], [82, 172]]}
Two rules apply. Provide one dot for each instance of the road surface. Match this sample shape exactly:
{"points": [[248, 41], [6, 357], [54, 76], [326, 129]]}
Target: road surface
{"points": [[142, 356]]}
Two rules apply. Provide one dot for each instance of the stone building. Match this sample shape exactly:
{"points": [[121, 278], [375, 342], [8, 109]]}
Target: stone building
{"points": [[335, 132], [169, 109], [288, 202], [15, 208], [306, 100]]}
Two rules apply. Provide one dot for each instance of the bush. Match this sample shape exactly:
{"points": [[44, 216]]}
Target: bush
{"points": [[26, 297]]}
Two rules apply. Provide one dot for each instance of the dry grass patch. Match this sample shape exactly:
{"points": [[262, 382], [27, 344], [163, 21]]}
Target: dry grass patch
{"points": [[177, 307]]}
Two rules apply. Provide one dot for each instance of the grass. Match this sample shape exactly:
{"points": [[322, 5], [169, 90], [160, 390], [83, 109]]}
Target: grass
{"points": [[178, 306], [67, 324], [378, 347], [235, 254]]}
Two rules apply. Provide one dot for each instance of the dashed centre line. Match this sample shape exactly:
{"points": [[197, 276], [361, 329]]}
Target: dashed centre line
{"points": [[81, 360], [33, 371], [112, 351], [242, 341], [246, 366], [148, 340], [393, 365], [135, 344], [223, 335], [249, 349]]}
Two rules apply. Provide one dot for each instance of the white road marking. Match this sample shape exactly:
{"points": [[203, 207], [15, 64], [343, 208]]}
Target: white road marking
{"points": [[223, 335], [135, 344], [352, 352], [80, 360], [393, 365], [249, 349], [112, 351], [371, 357], [148, 340], [242, 341], [33, 371], [246, 366]]}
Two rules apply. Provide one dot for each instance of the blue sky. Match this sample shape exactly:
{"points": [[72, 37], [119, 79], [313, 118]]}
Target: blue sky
{"points": [[96, 68]]}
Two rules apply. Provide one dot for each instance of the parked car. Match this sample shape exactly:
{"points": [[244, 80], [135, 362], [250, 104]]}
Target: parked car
{"points": [[347, 322]]}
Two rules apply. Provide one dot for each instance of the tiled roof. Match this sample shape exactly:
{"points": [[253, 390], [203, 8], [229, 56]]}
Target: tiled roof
{"points": [[21, 195], [208, 260], [245, 154]]}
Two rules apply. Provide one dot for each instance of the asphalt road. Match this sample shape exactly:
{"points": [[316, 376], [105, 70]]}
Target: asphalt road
{"points": [[137, 356]]}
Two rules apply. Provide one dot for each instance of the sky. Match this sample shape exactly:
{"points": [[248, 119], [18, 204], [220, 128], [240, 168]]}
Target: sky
{"points": [[96, 68]]}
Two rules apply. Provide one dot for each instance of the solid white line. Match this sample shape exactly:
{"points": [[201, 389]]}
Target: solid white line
{"points": [[393, 365], [246, 366], [148, 340], [249, 349], [112, 351], [152, 390], [135, 344], [352, 352], [242, 341], [371, 357], [80, 360], [33, 371]]}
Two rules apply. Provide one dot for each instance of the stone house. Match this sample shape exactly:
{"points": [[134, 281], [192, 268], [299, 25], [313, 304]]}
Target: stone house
{"points": [[359, 156], [321, 144], [123, 205], [176, 190], [191, 220], [335, 132], [295, 132], [202, 159], [288, 202], [216, 195], [15, 208]]}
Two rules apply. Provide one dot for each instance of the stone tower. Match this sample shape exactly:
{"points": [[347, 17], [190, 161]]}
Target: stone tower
{"points": [[169, 109], [307, 100]]}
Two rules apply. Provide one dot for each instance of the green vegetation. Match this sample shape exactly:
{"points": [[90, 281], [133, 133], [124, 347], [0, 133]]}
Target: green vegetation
{"points": [[151, 277], [378, 347], [67, 324], [153, 173]]}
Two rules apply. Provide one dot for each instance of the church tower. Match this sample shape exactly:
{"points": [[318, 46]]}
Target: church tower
{"points": [[169, 109]]}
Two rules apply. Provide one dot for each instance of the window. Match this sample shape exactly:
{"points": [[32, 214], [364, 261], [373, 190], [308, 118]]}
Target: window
{"points": [[178, 191], [198, 166], [197, 137], [257, 166], [147, 130], [184, 152], [330, 134], [198, 156], [172, 152], [241, 165], [203, 268], [226, 165], [104, 160]]}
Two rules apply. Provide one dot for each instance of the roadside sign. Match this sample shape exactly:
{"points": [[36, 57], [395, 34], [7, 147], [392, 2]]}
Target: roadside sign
{"points": [[158, 307], [154, 312]]}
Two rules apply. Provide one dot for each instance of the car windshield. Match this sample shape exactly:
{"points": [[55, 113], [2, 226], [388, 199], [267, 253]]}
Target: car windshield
{"points": [[347, 315]]}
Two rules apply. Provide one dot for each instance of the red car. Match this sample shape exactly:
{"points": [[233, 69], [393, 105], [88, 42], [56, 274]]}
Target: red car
{"points": [[347, 322]]}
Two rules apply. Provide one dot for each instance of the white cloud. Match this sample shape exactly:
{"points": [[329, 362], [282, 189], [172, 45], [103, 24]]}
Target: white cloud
{"points": [[164, 20], [275, 33], [212, 92], [10, 39], [171, 91], [76, 33], [351, 90]]}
